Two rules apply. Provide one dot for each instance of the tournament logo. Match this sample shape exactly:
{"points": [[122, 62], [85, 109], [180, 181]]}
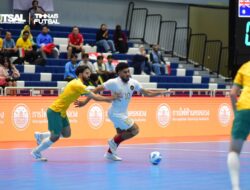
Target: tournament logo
{"points": [[21, 117], [95, 116], [132, 87], [224, 114], [163, 115]]}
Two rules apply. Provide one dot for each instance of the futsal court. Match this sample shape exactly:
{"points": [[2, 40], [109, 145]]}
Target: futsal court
{"points": [[186, 165]]}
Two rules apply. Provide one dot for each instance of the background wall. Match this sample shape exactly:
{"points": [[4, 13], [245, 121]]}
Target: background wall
{"points": [[213, 22]]}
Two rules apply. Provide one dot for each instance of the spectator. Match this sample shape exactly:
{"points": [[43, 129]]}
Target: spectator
{"points": [[101, 69], [8, 74], [9, 46], [35, 9], [70, 68], [102, 39], [27, 28], [110, 67], [25, 48], [158, 63], [85, 61], [75, 42], [120, 39], [140, 62], [45, 43], [93, 77], [1, 42]]}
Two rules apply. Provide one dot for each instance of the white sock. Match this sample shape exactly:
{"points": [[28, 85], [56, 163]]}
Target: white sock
{"points": [[45, 135], [233, 162], [44, 145]]}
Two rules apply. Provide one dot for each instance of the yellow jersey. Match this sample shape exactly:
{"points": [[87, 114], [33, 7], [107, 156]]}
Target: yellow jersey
{"points": [[73, 90], [1, 43], [242, 79], [23, 44]]}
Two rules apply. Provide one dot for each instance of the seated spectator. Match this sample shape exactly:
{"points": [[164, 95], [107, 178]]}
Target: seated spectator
{"points": [[101, 69], [8, 74], [120, 39], [30, 37], [110, 67], [158, 63], [93, 77], [70, 68], [26, 52], [9, 46], [35, 9], [1, 42], [102, 39], [85, 61], [75, 42], [140, 62], [45, 43]]}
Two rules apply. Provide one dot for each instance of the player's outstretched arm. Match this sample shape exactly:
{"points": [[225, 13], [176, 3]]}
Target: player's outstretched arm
{"points": [[98, 97], [153, 93]]}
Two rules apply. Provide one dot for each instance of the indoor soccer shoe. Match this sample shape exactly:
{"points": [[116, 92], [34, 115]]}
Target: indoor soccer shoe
{"points": [[38, 138], [38, 156], [112, 146], [113, 157]]}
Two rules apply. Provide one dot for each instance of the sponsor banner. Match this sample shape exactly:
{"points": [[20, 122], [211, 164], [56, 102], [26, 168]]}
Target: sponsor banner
{"points": [[12, 19], [157, 117]]}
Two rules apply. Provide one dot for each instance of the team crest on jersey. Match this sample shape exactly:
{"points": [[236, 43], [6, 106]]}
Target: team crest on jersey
{"points": [[132, 87]]}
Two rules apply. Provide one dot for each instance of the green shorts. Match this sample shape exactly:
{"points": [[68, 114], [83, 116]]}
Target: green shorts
{"points": [[241, 125], [56, 122]]}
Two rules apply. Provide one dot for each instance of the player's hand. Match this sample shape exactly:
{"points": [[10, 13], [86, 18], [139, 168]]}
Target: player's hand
{"points": [[79, 104]]}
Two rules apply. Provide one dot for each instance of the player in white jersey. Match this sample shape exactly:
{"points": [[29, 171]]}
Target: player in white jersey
{"points": [[118, 113]]}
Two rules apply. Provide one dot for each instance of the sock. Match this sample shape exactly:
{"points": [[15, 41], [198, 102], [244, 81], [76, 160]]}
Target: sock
{"points": [[233, 162], [44, 145], [118, 139], [45, 135]]}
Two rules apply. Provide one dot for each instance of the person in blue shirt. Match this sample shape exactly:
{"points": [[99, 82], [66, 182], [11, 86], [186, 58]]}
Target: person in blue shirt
{"points": [[44, 42], [9, 46], [158, 63], [70, 68], [110, 68]]}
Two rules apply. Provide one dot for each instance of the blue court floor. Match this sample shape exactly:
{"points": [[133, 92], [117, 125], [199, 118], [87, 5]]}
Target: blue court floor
{"points": [[185, 166]]}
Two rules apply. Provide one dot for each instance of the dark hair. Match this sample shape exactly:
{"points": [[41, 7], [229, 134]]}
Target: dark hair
{"points": [[118, 27], [121, 66], [109, 57], [73, 56], [26, 32], [8, 60], [45, 26], [99, 57], [85, 55], [81, 69], [34, 1]]}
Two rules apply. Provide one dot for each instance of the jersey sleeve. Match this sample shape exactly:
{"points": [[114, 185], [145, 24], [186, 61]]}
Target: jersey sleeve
{"points": [[138, 86], [82, 89], [238, 80], [109, 85]]}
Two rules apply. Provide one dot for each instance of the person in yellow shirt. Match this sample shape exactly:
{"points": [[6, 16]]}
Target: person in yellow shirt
{"points": [[1, 42], [24, 43], [58, 122], [241, 123]]}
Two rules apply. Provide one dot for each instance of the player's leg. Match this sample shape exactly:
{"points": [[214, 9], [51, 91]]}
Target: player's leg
{"points": [[55, 122], [66, 131], [121, 136], [240, 131]]}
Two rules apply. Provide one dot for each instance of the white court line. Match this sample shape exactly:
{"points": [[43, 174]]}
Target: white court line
{"points": [[99, 146]]}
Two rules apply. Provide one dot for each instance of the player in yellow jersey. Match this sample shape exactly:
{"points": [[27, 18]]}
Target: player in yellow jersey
{"points": [[241, 123], [58, 122]]}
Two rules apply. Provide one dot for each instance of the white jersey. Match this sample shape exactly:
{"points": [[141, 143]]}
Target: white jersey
{"points": [[120, 107]]}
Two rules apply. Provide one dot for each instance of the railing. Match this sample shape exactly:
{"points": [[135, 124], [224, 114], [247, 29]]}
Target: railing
{"points": [[33, 91], [212, 56], [197, 49], [199, 92], [176, 41], [1, 91]]}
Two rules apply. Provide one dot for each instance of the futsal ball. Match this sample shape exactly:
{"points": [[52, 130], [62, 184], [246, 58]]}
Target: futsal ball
{"points": [[155, 157]]}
